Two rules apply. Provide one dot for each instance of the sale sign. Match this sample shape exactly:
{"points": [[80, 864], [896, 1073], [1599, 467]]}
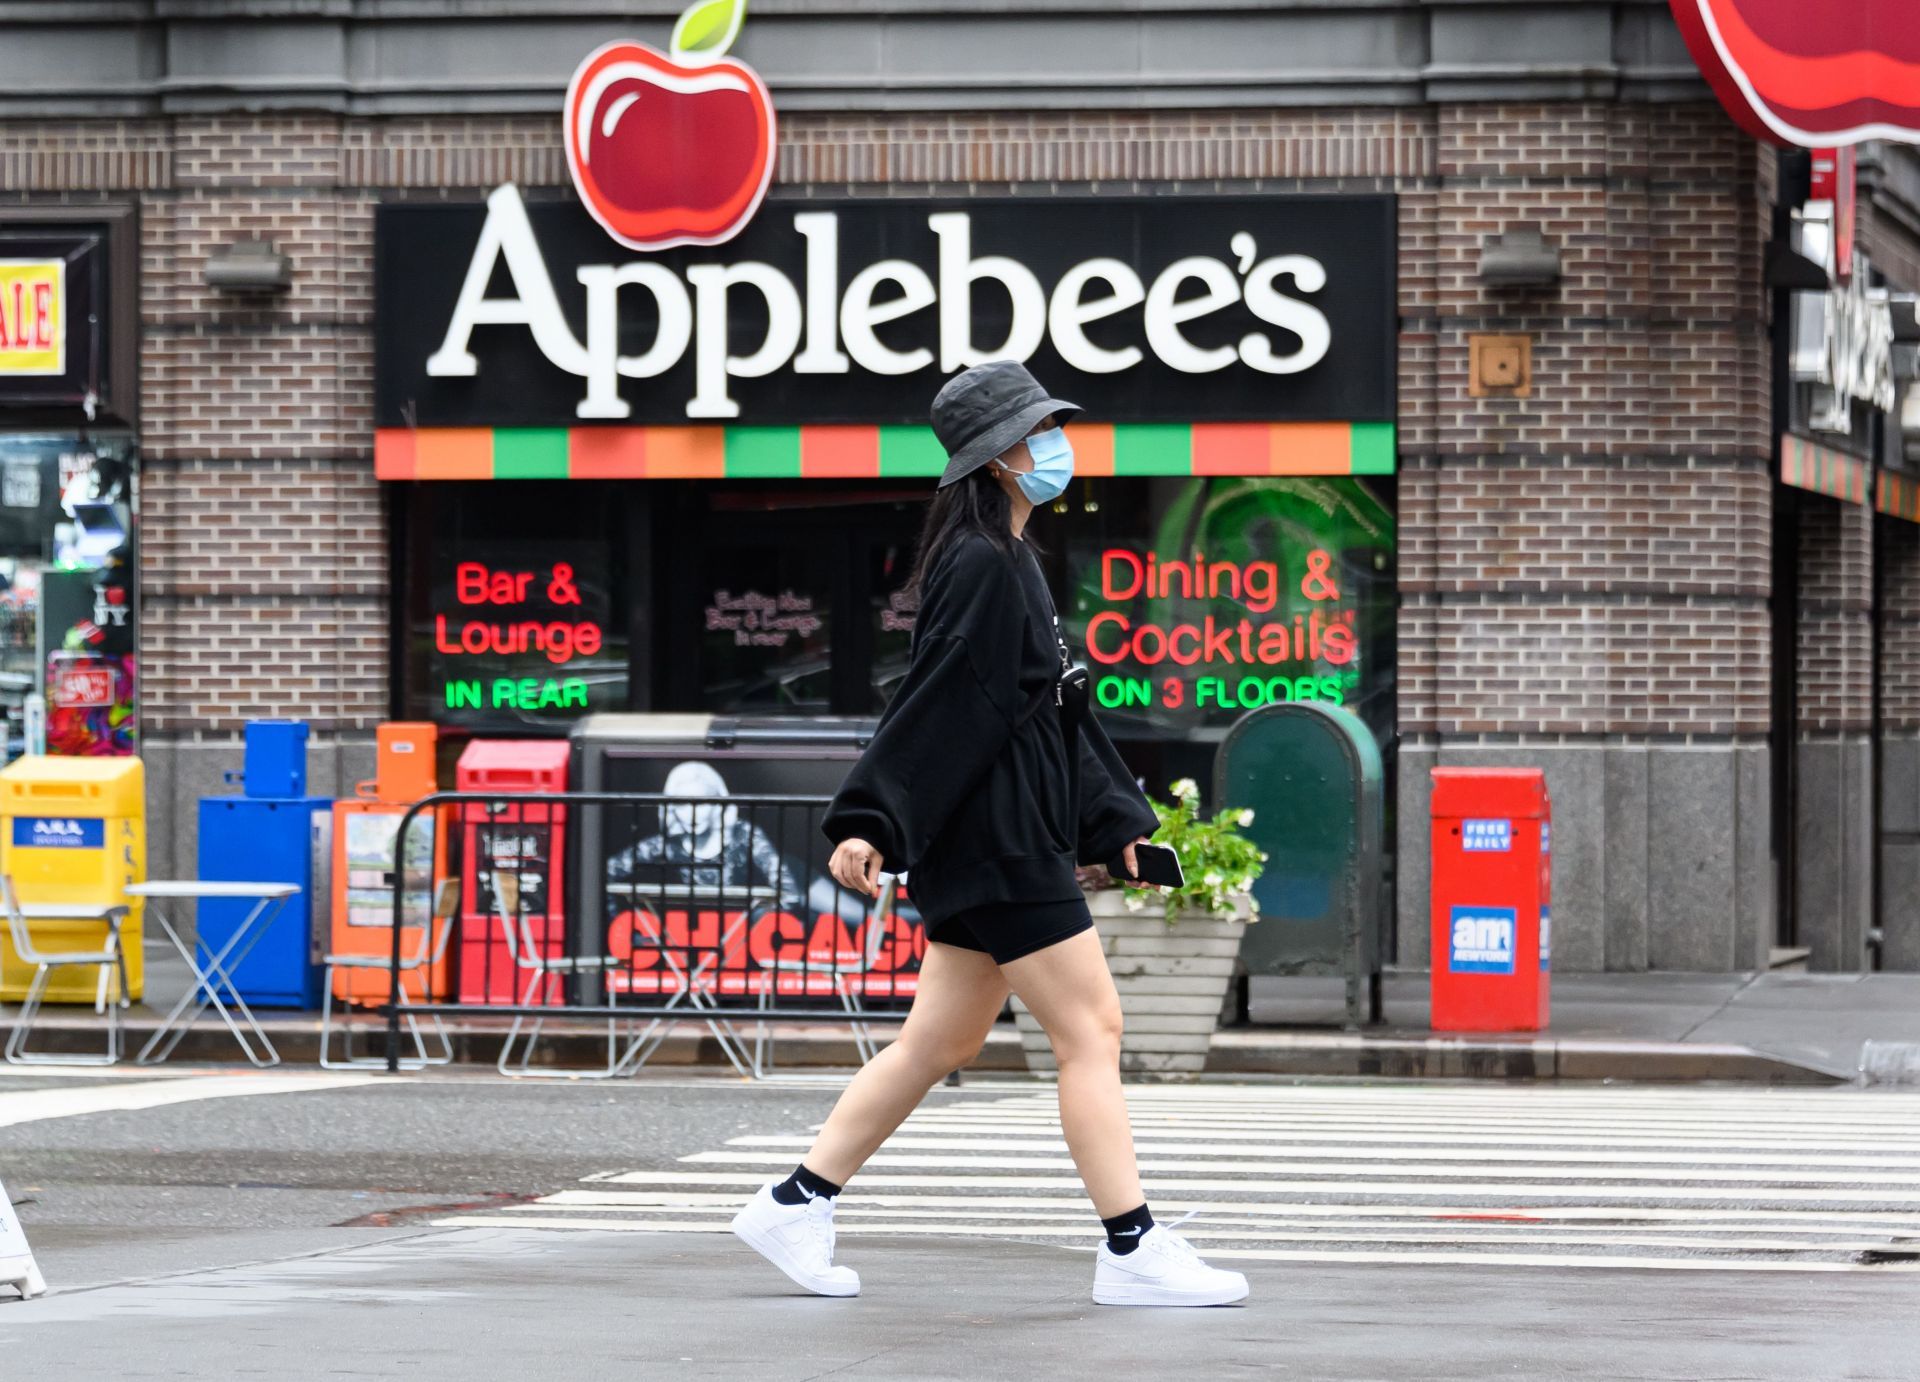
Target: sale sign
{"points": [[1807, 74], [32, 307]]}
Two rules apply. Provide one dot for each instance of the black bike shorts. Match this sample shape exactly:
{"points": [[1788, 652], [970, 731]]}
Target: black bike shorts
{"points": [[1010, 930]]}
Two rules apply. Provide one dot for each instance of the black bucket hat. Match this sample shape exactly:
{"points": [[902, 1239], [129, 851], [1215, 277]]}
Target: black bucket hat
{"points": [[979, 415]]}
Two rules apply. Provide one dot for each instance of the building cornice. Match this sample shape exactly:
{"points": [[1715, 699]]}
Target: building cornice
{"points": [[453, 57]]}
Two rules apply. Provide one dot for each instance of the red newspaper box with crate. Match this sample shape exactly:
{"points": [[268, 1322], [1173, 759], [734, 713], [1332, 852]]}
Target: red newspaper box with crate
{"points": [[1492, 914], [513, 869]]}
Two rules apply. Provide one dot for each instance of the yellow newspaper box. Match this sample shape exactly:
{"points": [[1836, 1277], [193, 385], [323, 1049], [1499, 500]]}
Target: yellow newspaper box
{"points": [[73, 830]]}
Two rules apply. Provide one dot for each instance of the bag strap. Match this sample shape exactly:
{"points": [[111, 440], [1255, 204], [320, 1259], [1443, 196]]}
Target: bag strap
{"points": [[1034, 702], [1039, 698]]}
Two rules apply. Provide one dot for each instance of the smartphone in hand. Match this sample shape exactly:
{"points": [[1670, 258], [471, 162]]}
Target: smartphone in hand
{"points": [[1158, 864]]}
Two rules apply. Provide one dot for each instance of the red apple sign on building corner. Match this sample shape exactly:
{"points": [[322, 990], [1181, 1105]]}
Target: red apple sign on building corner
{"points": [[1811, 74], [672, 148]]}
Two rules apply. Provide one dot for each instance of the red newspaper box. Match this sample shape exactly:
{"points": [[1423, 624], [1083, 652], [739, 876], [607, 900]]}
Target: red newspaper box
{"points": [[1492, 919], [513, 867]]}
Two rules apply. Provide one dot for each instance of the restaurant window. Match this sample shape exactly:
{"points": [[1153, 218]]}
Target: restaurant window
{"points": [[518, 604], [1197, 599], [791, 599]]}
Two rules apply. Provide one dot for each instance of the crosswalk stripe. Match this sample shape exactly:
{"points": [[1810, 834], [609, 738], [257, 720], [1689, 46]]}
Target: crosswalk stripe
{"points": [[1652, 1179], [1330, 1187], [1693, 1216], [1149, 1165], [1145, 1148]]}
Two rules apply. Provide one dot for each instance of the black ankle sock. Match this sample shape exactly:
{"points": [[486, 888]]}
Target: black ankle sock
{"points": [[803, 1185], [1124, 1231]]}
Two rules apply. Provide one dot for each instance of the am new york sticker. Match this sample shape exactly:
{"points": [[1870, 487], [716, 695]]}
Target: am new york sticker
{"points": [[1480, 940]]}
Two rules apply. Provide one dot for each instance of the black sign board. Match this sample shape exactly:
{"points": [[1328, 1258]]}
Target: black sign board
{"points": [[1187, 308]]}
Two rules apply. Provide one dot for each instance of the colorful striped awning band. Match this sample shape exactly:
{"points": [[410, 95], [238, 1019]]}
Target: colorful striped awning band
{"points": [[1898, 495], [853, 452], [1808, 465]]}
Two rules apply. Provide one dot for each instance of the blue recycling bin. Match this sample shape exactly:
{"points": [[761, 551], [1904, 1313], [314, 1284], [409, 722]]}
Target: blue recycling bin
{"points": [[273, 834]]}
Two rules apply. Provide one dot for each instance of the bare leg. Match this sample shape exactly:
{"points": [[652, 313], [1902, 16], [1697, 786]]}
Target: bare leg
{"points": [[1070, 992], [961, 992]]}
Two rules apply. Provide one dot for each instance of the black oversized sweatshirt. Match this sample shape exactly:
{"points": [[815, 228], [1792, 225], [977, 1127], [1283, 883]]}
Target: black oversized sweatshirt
{"points": [[981, 804]]}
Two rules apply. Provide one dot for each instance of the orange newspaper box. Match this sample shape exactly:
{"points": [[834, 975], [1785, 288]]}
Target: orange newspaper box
{"points": [[404, 769], [1492, 915], [364, 835], [365, 830]]}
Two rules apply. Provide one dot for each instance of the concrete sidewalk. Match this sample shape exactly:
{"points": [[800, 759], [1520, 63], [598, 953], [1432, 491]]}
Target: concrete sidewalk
{"points": [[482, 1304], [1776, 1027]]}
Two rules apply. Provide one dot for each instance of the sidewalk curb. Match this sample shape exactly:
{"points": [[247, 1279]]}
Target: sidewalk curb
{"points": [[1505, 1058], [1283, 1053]]}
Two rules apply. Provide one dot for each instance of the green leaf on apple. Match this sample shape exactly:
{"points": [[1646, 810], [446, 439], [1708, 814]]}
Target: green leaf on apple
{"points": [[707, 28]]}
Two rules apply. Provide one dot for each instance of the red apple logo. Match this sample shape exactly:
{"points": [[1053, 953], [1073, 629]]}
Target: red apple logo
{"points": [[1810, 74], [672, 149]]}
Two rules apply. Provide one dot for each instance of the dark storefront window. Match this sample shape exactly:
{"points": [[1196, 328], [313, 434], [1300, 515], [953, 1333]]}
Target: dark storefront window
{"points": [[782, 594], [1198, 599], [519, 598], [1194, 598]]}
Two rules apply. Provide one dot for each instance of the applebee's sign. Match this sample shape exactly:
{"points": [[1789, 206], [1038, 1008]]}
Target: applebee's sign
{"points": [[1189, 308], [671, 148], [1813, 74]]}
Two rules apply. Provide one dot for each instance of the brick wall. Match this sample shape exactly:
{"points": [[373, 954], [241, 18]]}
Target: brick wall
{"points": [[1834, 640], [1593, 559], [1589, 560], [1899, 554]]}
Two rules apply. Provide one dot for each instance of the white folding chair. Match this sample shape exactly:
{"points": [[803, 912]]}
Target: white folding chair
{"points": [[845, 966], [110, 959], [426, 956], [690, 988], [541, 969]]}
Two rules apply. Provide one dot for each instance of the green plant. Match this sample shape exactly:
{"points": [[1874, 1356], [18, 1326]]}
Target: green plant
{"points": [[1219, 862]]}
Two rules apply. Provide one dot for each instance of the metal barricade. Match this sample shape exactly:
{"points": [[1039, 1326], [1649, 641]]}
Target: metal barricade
{"points": [[717, 910]]}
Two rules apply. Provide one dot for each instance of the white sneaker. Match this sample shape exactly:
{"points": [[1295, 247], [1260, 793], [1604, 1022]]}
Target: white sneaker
{"points": [[798, 1239], [1163, 1270]]}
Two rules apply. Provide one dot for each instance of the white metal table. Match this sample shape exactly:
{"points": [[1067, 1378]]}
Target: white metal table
{"points": [[268, 900]]}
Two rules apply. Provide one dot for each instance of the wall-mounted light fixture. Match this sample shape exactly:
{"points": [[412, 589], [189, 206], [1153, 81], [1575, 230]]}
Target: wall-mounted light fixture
{"points": [[249, 266], [1520, 257]]}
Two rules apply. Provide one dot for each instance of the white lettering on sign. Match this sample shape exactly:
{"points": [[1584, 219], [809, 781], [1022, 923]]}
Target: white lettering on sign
{"points": [[1486, 836], [1856, 363], [809, 324], [1481, 940]]}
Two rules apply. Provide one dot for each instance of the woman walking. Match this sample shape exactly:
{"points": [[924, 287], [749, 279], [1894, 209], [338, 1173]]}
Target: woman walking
{"points": [[987, 779]]}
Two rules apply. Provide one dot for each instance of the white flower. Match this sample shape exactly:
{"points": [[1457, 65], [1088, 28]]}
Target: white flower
{"points": [[1244, 885], [1246, 815], [1212, 879], [1136, 903], [1263, 856], [1185, 789]]}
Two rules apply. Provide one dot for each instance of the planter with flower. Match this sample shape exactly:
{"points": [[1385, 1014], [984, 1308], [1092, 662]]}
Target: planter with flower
{"points": [[1172, 953]]}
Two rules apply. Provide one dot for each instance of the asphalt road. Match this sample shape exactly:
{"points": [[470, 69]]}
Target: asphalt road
{"points": [[354, 1230]]}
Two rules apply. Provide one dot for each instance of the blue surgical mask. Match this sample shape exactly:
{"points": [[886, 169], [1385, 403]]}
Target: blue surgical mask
{"points": [[1052, 457]]}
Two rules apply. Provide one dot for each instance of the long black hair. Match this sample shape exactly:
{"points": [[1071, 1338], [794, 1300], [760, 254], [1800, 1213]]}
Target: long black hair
{"points": [[974, 503]]}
